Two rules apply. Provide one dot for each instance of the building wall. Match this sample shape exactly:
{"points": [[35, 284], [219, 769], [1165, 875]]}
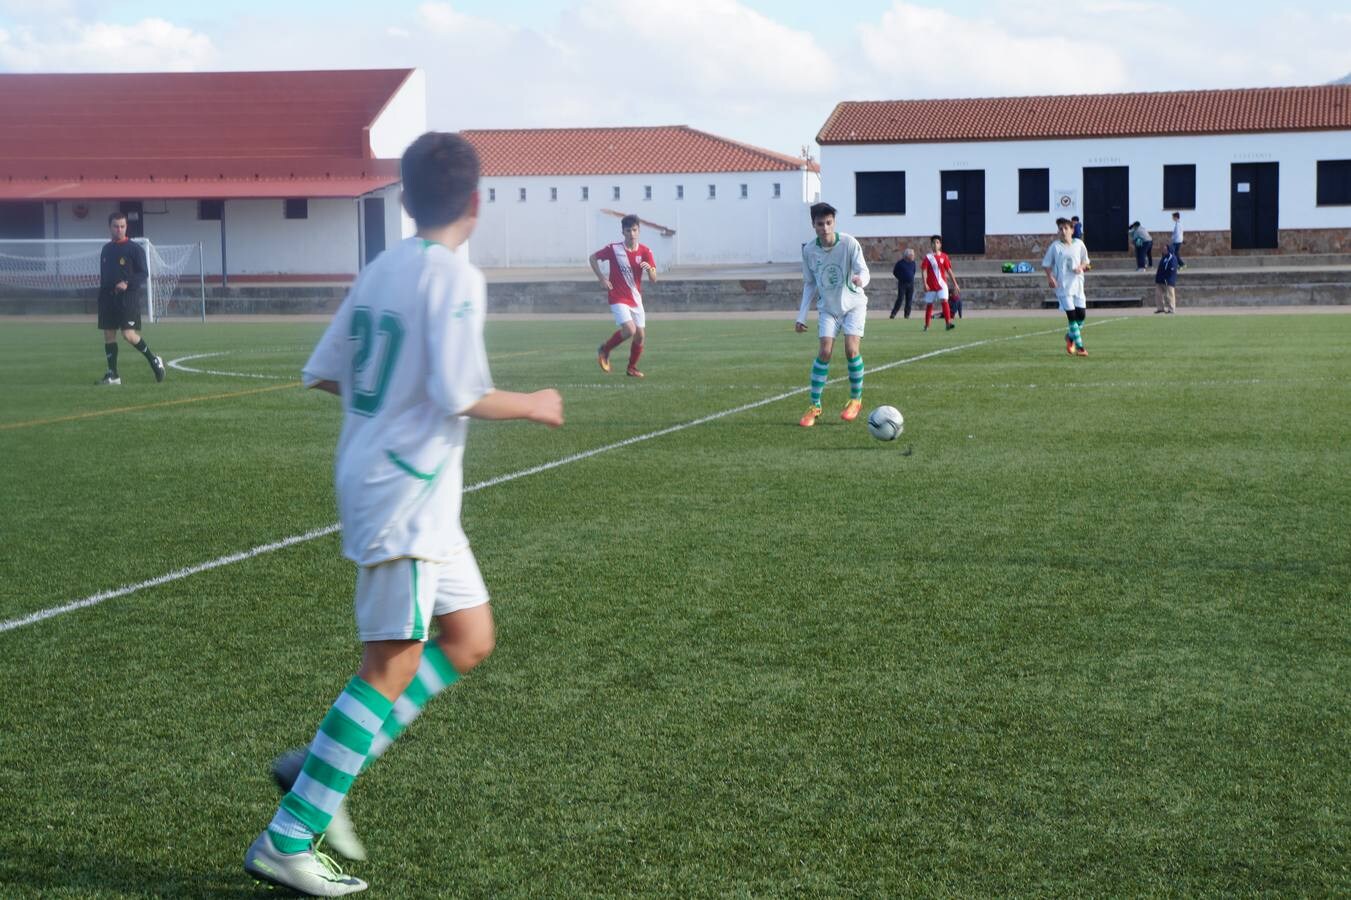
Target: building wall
{"points": [[402, 120], [259, 239], [541, 231], [1208, 224]]}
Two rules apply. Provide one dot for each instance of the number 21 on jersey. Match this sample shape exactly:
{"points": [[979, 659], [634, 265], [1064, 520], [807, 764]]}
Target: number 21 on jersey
{"points": [[371, 376]]}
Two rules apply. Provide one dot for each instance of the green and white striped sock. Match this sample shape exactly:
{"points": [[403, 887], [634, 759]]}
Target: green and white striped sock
{"points": [[337, 755], [856, 378], [820, 371], [434, 675]]}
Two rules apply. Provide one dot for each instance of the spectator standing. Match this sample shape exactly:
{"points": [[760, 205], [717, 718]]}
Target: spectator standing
{"points": [[1165, 283], [904, 270], [1143, 242], [1175, 243], [1078, 228]]}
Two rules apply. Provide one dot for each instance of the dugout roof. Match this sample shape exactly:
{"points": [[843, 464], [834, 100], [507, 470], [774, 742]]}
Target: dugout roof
{"points": [[1161, 114], [202, 135]]}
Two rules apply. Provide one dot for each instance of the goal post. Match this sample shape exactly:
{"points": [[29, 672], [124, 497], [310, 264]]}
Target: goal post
{"points": [[69, 268]]}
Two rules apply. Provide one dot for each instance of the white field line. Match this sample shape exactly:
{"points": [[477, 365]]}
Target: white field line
{"points": [[95, 599]]}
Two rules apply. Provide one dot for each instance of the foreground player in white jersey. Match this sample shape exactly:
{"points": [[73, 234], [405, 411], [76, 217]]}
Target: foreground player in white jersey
{"points": [[1065, 262], [405, 353], [835, 273]]}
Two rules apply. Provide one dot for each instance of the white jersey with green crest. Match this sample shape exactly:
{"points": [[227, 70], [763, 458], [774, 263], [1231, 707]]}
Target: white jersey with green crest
{"points": [[406, 348], [827, 274]]}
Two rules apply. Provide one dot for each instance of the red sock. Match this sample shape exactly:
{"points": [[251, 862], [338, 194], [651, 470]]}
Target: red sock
{"points": [[635, 351], [928, 314], [615, 340], [947, 312]]}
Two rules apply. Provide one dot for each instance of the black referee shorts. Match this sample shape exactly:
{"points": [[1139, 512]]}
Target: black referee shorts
{"points": [[120, 311]]}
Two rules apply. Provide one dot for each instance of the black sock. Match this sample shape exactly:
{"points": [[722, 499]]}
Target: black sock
{"points": [[110, 351], [145, 351]]}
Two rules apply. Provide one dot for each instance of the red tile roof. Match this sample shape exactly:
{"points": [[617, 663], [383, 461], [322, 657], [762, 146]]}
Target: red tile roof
{"points": [[190, 131], [1089, 116], [658, 150]]}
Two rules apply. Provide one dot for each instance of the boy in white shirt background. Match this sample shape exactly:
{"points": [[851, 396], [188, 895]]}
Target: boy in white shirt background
{"points": [[1065, 262]]}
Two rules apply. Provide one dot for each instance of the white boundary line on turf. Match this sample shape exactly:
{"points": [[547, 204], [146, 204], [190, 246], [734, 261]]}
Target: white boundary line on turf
{"points": [[95, 599], [178, 364]]}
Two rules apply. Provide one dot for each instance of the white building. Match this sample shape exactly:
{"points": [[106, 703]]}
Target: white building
{"points": [[550, 197], [280, 175], [1265, 170]]}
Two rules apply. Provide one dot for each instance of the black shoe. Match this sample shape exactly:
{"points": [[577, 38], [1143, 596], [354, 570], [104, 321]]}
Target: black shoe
{"points": [[109, 378], [157, 366], [950, 326]]}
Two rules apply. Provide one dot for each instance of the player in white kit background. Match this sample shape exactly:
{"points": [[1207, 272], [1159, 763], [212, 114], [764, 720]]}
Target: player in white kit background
{"points": [[835, 273], [1065, 262], [405, 353]]}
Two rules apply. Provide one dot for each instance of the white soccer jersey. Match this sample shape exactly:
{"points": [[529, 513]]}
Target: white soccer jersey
{"points": [[406, 347], [827, 275], [1062, 258]]}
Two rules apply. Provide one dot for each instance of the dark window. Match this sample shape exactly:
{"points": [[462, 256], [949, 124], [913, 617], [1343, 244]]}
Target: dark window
{"points": [[1034, 190], [1334, 182], [210, 210], [778, 190], [680, 192], [616, 190], [647, 192], [713, 192], [586, 193], [553, 193], [298, 208], [745, 191], [1179, 187], [522, 195], [878, 193], [492, 195]]}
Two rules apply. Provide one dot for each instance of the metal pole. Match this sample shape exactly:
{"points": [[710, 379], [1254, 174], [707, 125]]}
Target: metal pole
{"points": [[201, 275], [224, 273]]}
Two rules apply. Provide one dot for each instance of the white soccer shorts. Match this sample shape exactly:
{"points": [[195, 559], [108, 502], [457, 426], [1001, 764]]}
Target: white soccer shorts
{"points": [[624, 314], [851, 323], [936, 296], [1070, 301], [397, 600]]}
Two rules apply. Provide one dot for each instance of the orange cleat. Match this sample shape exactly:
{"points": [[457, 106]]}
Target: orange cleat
{"points": [[1081, 352], [634, 373], [851, 410], [603, 358], [809, 419], [1069, 346]]}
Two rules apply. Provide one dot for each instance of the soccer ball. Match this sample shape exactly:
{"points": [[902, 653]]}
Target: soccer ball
{"points": [[886, 423]]}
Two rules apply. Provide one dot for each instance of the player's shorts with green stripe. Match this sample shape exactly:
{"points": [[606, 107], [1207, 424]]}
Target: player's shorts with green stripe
{"points": [[397, 600]]}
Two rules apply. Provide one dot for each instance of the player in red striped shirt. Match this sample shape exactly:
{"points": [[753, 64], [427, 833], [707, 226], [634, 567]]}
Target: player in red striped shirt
{"points": [[628, 260], [939, 282]]}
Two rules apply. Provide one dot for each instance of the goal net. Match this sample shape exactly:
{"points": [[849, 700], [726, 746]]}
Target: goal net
{"points": [[70, 268]]}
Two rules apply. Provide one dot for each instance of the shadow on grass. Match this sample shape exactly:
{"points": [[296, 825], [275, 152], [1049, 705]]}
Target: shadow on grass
{"points": [[46, 873]]}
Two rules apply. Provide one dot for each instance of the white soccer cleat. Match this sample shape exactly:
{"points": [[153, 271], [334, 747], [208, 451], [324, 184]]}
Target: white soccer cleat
{"points": [[109, 378], [341, 834], [309, 872]]}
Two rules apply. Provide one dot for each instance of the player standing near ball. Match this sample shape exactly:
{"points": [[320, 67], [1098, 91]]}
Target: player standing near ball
{"points": [[122, 275], [405, 353], [628, 261], [1065, 262], [835, 273], [939, 282]]}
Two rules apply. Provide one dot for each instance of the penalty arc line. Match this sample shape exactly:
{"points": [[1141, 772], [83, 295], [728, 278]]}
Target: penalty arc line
{"points": [[232, 558]]}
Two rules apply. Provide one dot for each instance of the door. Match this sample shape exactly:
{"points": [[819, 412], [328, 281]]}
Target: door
{"points": [[135, 217], [23, 220], [1107, 208], [1254, 197], [963, 224], [373, 227]]}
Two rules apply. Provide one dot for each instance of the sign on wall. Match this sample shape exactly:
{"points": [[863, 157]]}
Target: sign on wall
{"points": [[1066, 200]]}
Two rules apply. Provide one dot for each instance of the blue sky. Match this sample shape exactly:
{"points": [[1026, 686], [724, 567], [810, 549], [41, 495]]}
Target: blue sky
{"points": [[763, 71]]}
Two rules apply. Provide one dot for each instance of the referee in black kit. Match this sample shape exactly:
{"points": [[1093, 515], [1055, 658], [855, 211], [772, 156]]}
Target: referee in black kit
{"points": [[122, 275]]}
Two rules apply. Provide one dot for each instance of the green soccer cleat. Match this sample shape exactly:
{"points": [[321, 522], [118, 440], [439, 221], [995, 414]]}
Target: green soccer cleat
{"points": [[308, 872], [341, 834]]}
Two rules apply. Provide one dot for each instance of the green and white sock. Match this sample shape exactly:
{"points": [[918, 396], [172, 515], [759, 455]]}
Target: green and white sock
{"points": [[337, 755], [820, 371], [856, 378], [434, 675], [1077, 334]]}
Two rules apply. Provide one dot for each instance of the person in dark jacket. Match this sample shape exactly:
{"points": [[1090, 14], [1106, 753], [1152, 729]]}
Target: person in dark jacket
{"points": [[122, 275], [904, 270], [1165, 280]]}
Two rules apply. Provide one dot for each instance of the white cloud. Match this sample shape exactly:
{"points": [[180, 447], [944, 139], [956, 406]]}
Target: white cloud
{"points": [[73, 45], [920, 51]]}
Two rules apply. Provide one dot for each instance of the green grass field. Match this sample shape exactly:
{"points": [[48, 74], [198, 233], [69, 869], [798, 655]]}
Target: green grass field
{"points": [[1083, 630]]}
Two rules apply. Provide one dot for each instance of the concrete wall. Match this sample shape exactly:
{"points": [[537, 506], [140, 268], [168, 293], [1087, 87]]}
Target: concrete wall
{"points": [[1297, 153], [543, 231]]}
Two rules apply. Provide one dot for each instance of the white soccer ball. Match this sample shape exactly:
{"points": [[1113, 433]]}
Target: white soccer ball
{"points": [[886, 423]]}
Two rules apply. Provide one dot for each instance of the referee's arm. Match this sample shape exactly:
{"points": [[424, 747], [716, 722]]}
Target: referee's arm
{"points": [[138, 271]]}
